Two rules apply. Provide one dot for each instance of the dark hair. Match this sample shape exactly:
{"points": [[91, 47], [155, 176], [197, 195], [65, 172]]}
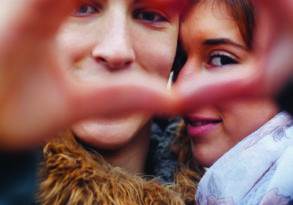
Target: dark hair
{"points": [[180, 59], [243, 13]]}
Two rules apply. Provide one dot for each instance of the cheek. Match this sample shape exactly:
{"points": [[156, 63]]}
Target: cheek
{"points": [[155, 51], [244, 117], [77, 40]]}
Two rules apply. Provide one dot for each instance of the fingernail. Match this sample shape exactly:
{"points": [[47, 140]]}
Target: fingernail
{"points": [[170, 80]]}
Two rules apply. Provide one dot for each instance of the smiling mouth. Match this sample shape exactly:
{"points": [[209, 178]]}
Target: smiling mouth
{"points": [[197, 123], [200, 126]]}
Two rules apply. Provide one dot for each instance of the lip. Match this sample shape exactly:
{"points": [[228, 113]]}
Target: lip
{"points": [[200, 126]]}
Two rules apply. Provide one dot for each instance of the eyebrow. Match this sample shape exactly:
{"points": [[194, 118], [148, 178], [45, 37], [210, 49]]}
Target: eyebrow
{"points": [[222, 41]]}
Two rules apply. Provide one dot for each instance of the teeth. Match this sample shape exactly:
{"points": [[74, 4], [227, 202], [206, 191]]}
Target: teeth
{"points": [[200, 123]]}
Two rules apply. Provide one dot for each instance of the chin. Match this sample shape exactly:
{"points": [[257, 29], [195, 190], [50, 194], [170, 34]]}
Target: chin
{"points": [[204, 162], [109, 134], [204, 156]]}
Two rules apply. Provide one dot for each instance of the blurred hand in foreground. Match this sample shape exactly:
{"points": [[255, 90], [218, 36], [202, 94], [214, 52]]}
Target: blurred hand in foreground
{"points": [[39, 97]]}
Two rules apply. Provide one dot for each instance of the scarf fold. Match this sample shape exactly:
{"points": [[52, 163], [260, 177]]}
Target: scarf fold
{"points": [[256, 171]]}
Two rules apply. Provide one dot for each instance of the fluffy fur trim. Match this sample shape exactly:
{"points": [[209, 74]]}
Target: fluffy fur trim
{"points": [[71, 175]]}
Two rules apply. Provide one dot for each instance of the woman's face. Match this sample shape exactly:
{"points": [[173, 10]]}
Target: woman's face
{"points": [[213, 42], [105, 36]]}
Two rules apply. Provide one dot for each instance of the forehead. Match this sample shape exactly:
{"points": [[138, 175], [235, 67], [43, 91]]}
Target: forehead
{"points": [[210, 20]]}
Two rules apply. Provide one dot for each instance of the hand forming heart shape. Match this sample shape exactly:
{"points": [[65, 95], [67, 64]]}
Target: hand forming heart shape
{"points": [[38, 97]]}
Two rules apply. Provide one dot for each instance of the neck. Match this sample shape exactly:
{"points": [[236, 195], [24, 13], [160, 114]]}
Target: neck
{"points": [[131, 157]]}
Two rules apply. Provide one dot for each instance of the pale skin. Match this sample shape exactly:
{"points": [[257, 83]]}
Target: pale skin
{"points": [[38, 96], [106, 37], [17, 131]]}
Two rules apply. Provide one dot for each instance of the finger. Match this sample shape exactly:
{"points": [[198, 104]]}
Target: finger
{"points": [[274, 41], [218, 87], [273, 19], [278, 9], [122, 94], [277, 63], [34, 19]]}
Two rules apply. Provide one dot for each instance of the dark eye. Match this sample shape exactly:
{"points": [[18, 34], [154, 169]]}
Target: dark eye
{"points": [[149, 16], [220, 59], [86, 10]]}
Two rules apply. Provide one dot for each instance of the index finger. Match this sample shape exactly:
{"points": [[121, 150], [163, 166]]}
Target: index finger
{"points": [[34, 18]]}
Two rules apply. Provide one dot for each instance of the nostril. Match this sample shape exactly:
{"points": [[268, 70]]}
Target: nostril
{"points": [[115, 64]]}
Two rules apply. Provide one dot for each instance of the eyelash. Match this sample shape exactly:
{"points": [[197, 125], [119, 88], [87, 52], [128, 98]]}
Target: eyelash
{"points": [[144, 15], [228, 58], [86, 9], [149, 16]]}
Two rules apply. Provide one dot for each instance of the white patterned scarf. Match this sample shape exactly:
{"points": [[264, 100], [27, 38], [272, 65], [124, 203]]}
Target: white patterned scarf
{"points": [[256, 171]]}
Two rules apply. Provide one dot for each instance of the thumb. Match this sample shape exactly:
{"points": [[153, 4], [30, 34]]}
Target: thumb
{"points": [[122, 94]]}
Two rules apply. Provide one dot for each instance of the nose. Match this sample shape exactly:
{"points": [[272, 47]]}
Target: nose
{"points": [[115, 51], [188, 72]]}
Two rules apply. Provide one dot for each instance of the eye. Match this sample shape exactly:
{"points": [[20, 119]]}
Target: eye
{"points": [[149, 16], [86, 10], [221, 58]]}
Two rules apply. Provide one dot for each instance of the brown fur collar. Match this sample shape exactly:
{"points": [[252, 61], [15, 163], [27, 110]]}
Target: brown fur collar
{"points": [[71, 175]]}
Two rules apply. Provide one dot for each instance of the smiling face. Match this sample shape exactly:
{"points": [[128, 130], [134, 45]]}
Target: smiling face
{"points": [[105, 36], [213, 41]]}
